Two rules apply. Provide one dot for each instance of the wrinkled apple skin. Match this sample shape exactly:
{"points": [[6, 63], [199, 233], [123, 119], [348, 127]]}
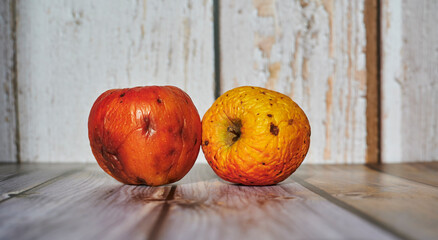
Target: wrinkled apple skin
{"points": [[255, 136], [145, 135]]}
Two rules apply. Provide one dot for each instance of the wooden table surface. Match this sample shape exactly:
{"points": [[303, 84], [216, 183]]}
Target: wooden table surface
{"points": [[77, 201]]}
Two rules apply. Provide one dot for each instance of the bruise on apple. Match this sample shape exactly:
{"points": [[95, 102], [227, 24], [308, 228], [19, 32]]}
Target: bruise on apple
{"points": [[142, 181], [273, 129], [171, 152]]}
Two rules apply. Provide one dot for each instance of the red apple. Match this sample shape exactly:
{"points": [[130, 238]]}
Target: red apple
{"points": [[145, 135]]}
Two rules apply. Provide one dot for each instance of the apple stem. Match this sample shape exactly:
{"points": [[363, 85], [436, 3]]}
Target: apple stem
{"points": [[233, 131]]}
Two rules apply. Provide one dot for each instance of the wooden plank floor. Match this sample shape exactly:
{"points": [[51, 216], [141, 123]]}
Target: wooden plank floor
{"points": [[76, 201]]}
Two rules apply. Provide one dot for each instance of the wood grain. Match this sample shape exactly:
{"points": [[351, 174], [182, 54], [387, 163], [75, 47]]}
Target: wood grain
{"points": [[8, 147], [85, 205], [425, 173], [409, 85], [317, 202], [8, 169], [312, 51], [71, 51], [205, 207], [28, 177], [405, 208]]}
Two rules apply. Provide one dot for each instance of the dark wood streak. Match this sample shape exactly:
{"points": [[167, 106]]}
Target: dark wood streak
{"points": [[16, 175], [40, 185], [156, 228]]}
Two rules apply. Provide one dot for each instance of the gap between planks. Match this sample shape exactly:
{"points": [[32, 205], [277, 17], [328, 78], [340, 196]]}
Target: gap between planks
{"points": [[89, 201], [373, 65], [350, 208], [217, 49], [15, 81], [422, 173], [11, 194], [159, 224]]}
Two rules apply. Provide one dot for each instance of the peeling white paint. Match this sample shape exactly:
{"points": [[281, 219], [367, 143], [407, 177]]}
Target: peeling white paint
{"points": [[308, 43], [71, 51]]}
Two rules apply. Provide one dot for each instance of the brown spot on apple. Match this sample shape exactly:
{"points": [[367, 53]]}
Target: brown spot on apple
{"points": [[206, 143], [158, 100], [290, 122], [269, 115], [171, 152], [274, 129], [146, 124], [122, 95], [112, 163], [141, 180]]}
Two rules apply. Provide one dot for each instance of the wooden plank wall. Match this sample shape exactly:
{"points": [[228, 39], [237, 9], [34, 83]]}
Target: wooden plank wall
{"points": [[310, 50], [409, 80], [68, 52], [71, 51], [8, 147]]}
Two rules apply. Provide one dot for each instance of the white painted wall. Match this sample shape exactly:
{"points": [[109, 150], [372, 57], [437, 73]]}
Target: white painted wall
{"points": [[71, 51], [409, 80], [312, 51]]}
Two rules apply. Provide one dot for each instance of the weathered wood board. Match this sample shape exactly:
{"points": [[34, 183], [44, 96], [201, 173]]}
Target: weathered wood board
{"points": [[313, 51], [56, 57], [425, 173], [84, 205], [8, 148], [406, 208], [88, 204], [409, 80], [68, 52], [205, 207], [27, 177]]}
